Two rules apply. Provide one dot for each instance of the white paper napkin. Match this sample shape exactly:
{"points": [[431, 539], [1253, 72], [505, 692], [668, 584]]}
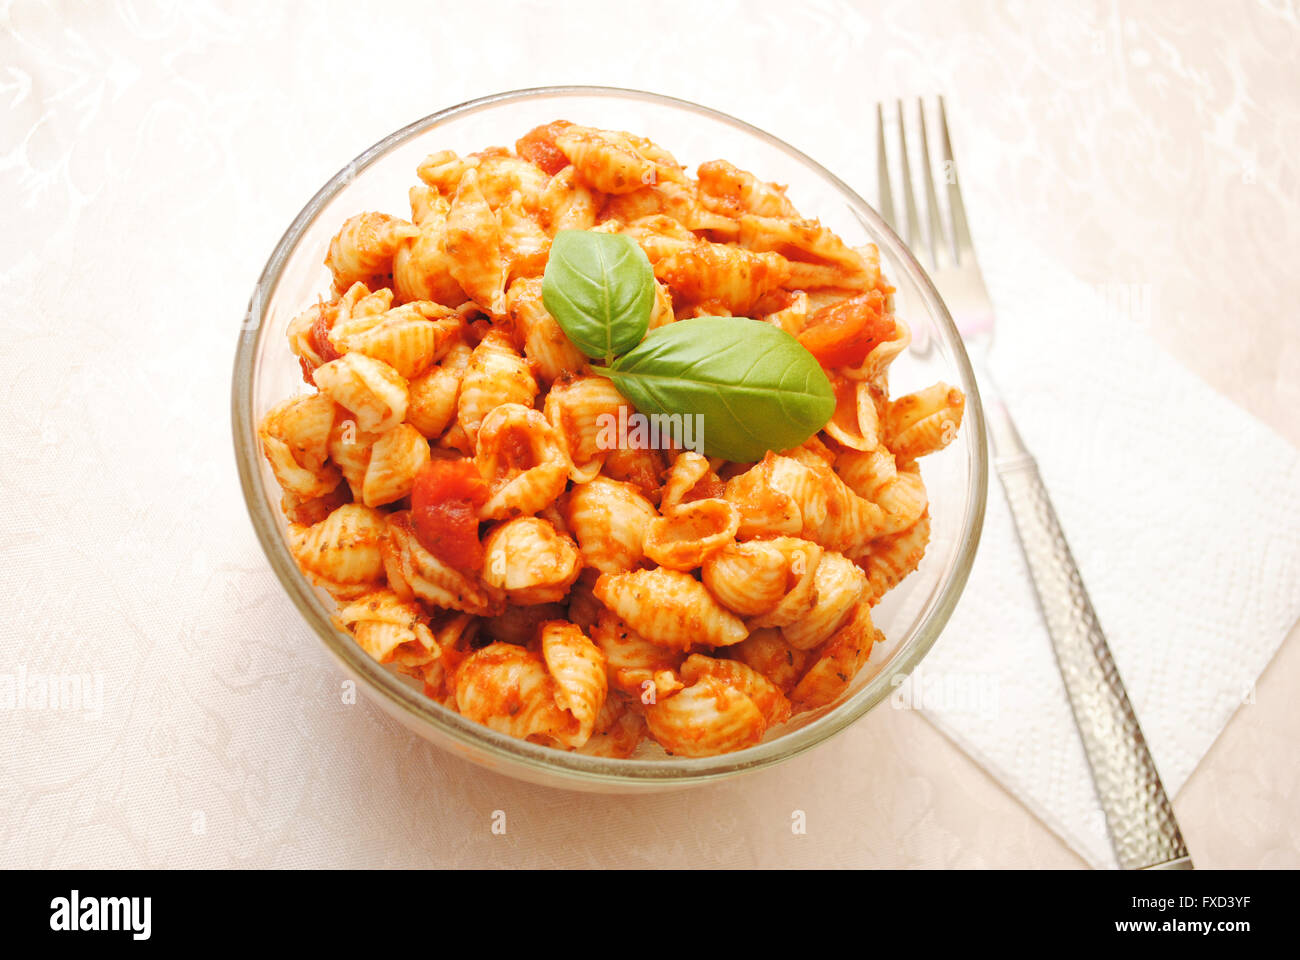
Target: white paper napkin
{"points": [[1182, 511]]}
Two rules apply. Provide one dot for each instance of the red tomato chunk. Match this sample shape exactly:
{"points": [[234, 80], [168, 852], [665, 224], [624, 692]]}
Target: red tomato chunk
{"points": [[538, 146], [842, 334], [444, 511]]}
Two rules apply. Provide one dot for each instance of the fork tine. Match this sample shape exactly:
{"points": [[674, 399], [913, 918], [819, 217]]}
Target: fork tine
{"points": [[909, 197], [940, 249], [884, 194], [963, 247]]}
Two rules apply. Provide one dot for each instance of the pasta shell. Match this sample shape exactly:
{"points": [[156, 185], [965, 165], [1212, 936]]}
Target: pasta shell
{"points": [[350, 448], [585, 413], [890, 559], [364, 247], [505, 179], [837, 662], [771, 702], [496, 374], [295, 441], [661, 313], [567, 203], [605, 160], [342, 552], [875, 365], [666, 166], [434, 394], [530, 561], [314, 509], [812, 276], [766, 652], [422, 267], [509, 689], [546, 346], [520, 458], [609, 521], [793, 316], [902, 501], [390, 629], [765, 511], [659, 237], [748, 578], [806, 490], [619, 730], [643, 469], [689, 478], [578, 667], [669, 608], [414, 571], [442, 170], [829, 511], [803, 560], [455, 438], [371, 390], [855, 423], [309, 340], [635, 665], [729, 190], [925, 421], [672, 199], [395, 459], [727, 279], [816, 245], [866, 472], [814, 454], [691, 534], [409, 338], [525, 246], [426, 203], [453, 636], [473, 241], [359, 302], [707, 718], [839, 587]]}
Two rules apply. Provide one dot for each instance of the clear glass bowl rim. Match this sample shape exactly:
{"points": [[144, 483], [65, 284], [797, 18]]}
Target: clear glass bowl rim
{"points": [[505, 751]]}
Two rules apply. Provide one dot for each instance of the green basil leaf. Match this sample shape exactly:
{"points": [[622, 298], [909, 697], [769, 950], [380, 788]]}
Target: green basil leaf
{"points": [[600, 288], [755, 386]]}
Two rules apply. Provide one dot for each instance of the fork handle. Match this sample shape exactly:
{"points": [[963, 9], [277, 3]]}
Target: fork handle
{"points": [[1138, 812]]}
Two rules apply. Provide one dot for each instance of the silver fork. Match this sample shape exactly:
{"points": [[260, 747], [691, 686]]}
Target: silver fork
{"points": [[1138, 812]]}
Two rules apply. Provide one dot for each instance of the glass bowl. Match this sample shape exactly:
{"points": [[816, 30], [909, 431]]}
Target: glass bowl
{"points": [[911, 616]]}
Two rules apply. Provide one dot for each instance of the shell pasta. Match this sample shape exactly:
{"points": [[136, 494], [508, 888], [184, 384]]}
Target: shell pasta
{"points": [[465, 481]]}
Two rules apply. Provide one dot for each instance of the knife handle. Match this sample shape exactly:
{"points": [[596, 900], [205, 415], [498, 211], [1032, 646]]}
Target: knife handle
{"points": [[1139, 815]]}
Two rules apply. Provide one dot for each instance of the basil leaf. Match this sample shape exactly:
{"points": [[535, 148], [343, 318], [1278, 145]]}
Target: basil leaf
{"points": [[600, 288], [756, 387]]}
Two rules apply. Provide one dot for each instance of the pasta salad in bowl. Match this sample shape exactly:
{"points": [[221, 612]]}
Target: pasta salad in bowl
{"points": [[590, 464]]}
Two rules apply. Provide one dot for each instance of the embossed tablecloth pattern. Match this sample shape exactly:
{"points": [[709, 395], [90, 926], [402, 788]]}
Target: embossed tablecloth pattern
{"points": [[152, 153]]}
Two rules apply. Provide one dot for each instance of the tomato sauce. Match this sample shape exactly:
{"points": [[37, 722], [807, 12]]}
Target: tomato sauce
{"points": [[706, 489], [320, 338], [538, 146], [842, 334], [517, 451], [321, 345], [444, 512]]}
